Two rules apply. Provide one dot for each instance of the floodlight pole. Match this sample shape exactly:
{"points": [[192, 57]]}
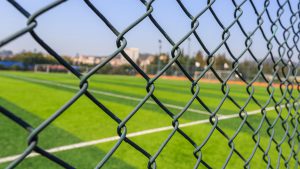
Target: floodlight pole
{"points": [[189, 55], [159, 54]]}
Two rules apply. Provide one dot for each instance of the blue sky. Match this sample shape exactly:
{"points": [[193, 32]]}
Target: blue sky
{"points": [[73, 28]]}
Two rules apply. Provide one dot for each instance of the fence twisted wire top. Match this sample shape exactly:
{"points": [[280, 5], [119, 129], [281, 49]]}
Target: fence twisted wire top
{"points": [[283, 68]]}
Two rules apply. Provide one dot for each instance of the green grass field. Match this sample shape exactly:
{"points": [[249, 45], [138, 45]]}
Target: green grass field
{"points": [[35, 96]]}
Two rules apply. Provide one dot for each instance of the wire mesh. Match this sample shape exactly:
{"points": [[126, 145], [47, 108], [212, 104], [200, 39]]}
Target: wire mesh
{"points": [[285, 69]]}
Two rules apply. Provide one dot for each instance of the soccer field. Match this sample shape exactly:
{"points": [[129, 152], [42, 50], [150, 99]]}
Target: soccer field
{"points": [[83, 134]]}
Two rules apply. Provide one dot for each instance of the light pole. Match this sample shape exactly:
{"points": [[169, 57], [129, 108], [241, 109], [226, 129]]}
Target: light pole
{"points": [[189, 55], [159, 54]]}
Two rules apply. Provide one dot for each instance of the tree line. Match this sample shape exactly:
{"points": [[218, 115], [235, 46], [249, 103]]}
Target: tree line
{"points": [[247, 67], [29, 59]]}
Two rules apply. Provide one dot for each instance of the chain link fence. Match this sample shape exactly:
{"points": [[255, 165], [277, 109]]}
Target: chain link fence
{"points": [[285, 61]]}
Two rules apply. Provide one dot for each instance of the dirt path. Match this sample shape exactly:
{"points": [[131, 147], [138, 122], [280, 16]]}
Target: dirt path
{"points": [[261, 84]]}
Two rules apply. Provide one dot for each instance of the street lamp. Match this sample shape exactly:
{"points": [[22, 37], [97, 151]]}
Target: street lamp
{"points": [[189, 55], [159, 54]]}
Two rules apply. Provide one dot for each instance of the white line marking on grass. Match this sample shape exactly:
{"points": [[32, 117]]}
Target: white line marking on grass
{"points": [[139, 133], [104, 93]]}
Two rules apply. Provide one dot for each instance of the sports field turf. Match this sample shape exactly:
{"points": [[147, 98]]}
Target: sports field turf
{"points": [[35, 96]]}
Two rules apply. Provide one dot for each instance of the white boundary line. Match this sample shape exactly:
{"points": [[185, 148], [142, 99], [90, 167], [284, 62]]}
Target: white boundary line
{"points": [[104, 93], [114, 138]]}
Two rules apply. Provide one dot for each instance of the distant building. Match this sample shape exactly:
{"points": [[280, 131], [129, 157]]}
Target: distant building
{"points": [[119, 60], [133, 53], [5, 53], [87, 60], [145, 60]]}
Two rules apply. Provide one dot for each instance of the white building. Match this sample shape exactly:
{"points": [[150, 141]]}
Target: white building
{"points": [[145, 60], [88, 60], [133, 53]]}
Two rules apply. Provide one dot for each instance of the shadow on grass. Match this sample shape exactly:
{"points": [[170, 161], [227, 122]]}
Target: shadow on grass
{"points": [[13, 141]]}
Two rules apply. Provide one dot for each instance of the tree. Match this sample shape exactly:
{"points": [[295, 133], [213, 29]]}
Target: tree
{"points": [[220, 62], [30, 58], [200, 59], [268, 66], [248, 68]]}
